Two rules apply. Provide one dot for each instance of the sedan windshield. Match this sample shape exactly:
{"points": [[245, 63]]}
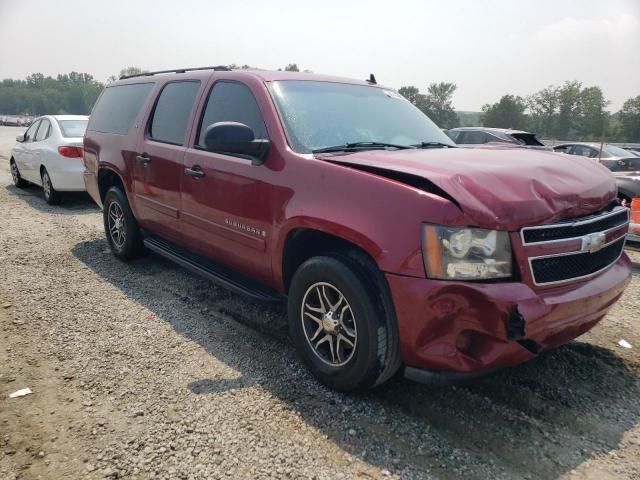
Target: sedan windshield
{"points": [[73, 128], [323, 115]]}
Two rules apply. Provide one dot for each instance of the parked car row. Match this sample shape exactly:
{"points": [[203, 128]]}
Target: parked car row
{"points": [[394, 249], [15, 121]]}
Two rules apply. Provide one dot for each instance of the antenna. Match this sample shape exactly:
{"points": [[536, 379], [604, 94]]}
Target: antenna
{"points": [[372, 79]]}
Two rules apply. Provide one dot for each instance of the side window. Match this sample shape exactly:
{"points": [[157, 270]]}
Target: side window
{"points": [[453, 135], [118, 107], [584, 151], [474, 137], [172, 111], [562, 149], [232, 102], [31, 133], [43, 130]]}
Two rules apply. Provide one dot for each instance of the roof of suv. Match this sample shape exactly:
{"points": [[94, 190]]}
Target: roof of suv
{"points": [[264, 75]]}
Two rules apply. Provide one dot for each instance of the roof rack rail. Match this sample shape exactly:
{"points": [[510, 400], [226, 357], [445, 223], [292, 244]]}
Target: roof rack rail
{"points": [[217, 68]]}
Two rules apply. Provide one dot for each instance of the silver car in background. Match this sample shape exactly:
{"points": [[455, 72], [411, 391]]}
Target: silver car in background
{"points": [[614, 158], [49, 154]]}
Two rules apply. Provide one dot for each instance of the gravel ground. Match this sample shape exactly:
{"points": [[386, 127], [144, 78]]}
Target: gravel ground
{"points": [[144, 370]]}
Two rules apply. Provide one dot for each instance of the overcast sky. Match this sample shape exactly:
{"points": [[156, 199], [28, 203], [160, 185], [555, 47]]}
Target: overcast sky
{"points": [[488, 48]]}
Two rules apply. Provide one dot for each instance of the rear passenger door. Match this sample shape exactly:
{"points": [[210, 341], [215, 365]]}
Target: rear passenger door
{"points": [[226, 207], [159, 156]]}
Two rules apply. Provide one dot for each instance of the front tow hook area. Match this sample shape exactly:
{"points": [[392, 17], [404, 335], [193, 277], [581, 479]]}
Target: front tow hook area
{"points": [[516, 330], [515, 325]]}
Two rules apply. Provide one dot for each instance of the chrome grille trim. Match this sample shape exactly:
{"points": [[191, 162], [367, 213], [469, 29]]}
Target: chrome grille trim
{"points": [[585, 221]]}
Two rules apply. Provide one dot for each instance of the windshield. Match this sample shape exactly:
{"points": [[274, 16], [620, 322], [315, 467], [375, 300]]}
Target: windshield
{"points": [[73, 128], [317, 115], [617, 151]]}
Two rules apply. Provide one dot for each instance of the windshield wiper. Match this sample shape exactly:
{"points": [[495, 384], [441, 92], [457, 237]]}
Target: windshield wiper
{"points": [[433, 145], [353, 146]]}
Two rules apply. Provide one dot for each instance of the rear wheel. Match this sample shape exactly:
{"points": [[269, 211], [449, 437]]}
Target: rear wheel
{"points": [[342, 323], [122, 230], [15, 174], [51, 196]]}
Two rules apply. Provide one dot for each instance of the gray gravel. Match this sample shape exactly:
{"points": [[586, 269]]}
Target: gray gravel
{"points": [[143, 370]]}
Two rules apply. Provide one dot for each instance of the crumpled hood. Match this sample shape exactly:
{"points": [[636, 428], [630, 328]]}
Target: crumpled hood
{"points": [[501, 188]]}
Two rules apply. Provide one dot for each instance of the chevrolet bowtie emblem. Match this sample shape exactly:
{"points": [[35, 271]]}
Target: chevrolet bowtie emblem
{"points": [[593, 242]]}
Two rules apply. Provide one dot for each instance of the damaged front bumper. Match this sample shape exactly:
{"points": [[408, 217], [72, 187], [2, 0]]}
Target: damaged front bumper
{"points": [[452, 330]]}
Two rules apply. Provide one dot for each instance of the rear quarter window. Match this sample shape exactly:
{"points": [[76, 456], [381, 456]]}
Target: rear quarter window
{"points": [[118, 107]]}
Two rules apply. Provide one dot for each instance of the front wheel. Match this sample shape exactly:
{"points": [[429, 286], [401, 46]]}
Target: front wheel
{"points": [[122, 230], [15, 175], [341, 323]]}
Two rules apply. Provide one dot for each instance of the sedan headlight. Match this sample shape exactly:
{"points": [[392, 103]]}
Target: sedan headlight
{"points": [[452, 253]]}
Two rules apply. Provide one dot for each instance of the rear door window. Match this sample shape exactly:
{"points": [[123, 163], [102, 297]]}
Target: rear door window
{"points": [[44, 130], [172, 111], [232, 102], [118, 107]]}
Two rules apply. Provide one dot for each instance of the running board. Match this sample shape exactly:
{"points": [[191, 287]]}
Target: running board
{"points": [[211, 271]]}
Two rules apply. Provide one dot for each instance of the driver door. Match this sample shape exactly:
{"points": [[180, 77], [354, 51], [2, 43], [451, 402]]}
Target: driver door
{"points": [[226, 202], [23, 154]]}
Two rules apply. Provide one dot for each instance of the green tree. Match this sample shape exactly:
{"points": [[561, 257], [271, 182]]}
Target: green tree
{"points": [[629, 117], [592, 120], [412, 94], [506, 113], [126, 72], [569, 109], [438, 104], [292, 67], [543, 109]]}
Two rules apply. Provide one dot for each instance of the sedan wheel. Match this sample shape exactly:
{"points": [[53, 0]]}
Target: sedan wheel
{"points": [[15, 175], [50, 194]]}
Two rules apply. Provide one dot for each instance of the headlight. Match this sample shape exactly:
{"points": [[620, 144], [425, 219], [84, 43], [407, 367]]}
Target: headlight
{"points": [[453, 253]]}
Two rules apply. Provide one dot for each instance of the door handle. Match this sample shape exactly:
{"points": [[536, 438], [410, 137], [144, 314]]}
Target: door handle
{"points": [[194, 172], [144, 158]]}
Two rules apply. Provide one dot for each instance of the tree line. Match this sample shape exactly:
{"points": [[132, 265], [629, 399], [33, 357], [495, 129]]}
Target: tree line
{"points": [[570, 111]]}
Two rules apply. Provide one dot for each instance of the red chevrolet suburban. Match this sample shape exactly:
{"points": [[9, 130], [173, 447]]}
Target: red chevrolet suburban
{"points": [[393, 247]]}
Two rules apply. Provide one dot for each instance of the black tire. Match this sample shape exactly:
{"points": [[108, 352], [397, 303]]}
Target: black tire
{"points": [[18, 181], [51, 196], [120, 226], [375, 357]]}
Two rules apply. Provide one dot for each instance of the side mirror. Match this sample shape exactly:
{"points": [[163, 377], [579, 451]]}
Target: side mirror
{"points": [[236, 139], [20, 138]]}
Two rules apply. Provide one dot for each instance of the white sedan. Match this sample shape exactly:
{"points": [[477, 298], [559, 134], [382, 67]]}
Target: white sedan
{"points": [[49, 154]]}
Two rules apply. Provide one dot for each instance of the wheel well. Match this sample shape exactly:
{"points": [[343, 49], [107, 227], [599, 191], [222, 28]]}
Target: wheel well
{"points": [[106, 179], [302, 244]]}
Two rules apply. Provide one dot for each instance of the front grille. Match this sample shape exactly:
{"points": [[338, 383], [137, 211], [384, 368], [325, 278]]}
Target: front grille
{"points": [[575, 265], [576, 227]]}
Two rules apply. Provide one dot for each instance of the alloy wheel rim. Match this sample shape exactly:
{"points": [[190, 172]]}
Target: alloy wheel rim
{"points": [[14, 172], [329, 324], [116, 222], [46, 184]]}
